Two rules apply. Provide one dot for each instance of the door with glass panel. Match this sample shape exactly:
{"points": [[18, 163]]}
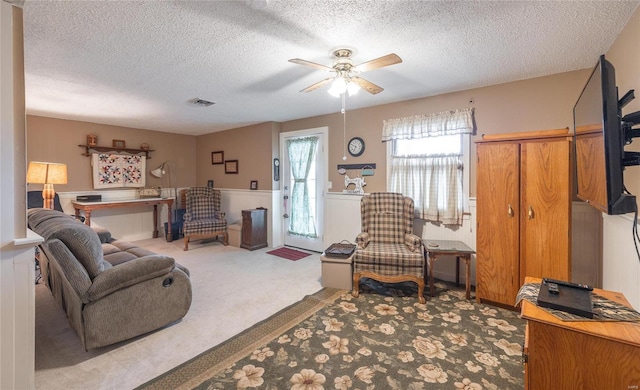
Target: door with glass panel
{"points": [[303, 177]]}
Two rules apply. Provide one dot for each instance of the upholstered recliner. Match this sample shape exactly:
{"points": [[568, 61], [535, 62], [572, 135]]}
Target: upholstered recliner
{"points": [[203, 218], [111, 290], [387, 250]]}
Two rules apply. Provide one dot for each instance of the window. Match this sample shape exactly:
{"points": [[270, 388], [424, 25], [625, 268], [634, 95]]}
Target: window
{"points": [[428, 165]]}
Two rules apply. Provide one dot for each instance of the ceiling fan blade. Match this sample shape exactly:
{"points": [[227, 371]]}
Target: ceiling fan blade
{"points": [[309, 63], [380, 62], [367, 85], [318, 84]]}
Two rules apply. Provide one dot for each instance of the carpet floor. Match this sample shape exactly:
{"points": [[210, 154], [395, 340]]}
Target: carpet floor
{"points": [[383, 339], [233, 289]]}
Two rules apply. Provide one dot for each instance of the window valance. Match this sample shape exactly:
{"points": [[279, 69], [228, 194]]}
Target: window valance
{"points": [[433, 125]]}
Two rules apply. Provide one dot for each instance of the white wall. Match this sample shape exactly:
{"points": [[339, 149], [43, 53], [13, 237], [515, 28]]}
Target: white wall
{"points": [[17, 265], [621, 265]]}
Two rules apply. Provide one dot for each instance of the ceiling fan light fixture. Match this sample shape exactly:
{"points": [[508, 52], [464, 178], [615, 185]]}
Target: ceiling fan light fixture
{"points": [[338, 86], [352, 88]]}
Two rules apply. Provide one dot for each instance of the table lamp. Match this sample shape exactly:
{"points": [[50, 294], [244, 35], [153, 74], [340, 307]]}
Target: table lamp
{"points": [[48, 174]]}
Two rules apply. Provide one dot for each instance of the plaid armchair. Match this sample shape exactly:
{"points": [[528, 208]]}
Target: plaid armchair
{"points": [[203, 218], [388, 251]]}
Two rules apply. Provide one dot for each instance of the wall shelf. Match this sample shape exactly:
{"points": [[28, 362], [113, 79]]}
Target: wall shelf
{"points": [[357, 166], [113, 149]]}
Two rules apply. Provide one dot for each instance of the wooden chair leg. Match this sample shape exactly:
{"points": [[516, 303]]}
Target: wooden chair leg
{"points": [[355, 291], [225, 239], [421, 298], [186, 243]]}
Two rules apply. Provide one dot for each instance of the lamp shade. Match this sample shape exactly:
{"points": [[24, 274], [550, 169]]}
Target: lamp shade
{"points": [[46, 173], [158, 172]]}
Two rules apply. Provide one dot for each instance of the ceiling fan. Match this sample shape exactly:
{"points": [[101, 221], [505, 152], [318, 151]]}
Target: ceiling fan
{"points": [[344, 69]]}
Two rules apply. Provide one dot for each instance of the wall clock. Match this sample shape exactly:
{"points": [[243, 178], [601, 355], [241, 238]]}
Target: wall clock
{"points": [[276, 169], [356, 146]]}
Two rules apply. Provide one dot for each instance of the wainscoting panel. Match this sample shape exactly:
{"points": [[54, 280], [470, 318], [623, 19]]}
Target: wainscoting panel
{"points": [[136, 223], [342, 218], [234, 201], [343, 223], [126, 223]]}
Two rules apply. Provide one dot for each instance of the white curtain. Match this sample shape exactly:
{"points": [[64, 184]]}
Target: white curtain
{"points": [[301, 155], [421, 126], [433, 182]]}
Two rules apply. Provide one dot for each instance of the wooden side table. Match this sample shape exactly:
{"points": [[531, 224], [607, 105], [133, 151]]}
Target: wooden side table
{"points": [[433, 249], [254, 229]]}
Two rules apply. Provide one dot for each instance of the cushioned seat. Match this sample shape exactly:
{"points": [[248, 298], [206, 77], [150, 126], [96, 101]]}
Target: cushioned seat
{"points": [[110, 290], [388, 251], [203, 218]]}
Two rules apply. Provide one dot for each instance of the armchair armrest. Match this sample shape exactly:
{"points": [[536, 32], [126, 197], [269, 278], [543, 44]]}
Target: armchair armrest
{"points": [[413, 242], [127, 274], [363, 240], [219, 214]]}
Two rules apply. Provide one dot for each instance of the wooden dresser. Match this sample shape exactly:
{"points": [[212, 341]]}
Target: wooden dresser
{"points": [[580, 354], [254, 229]]}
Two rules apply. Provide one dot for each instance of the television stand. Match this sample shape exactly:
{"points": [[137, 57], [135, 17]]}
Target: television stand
{"points": [[580, 354]]}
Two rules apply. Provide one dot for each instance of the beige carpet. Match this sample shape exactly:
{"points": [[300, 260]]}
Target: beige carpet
{"points": [[232, 290]]}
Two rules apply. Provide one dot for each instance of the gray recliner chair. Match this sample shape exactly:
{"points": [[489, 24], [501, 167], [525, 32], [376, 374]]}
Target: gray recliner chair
{"points": [[110, 290]]}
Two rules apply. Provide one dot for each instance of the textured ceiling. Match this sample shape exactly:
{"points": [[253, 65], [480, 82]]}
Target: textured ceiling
{"points": [[137, 63]]}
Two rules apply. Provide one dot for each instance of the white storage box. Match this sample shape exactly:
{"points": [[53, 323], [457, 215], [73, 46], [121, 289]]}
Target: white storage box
{"points": [[336, 272], [235, 234]]}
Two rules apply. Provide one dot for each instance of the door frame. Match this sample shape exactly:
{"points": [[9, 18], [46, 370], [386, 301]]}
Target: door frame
{"points": [[324, 130]]}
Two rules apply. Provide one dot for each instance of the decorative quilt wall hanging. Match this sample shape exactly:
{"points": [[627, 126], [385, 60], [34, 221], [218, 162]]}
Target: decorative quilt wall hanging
{"points": [[118, 170]]}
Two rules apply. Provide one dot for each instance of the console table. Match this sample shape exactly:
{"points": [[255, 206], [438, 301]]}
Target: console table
{"points": [[88, 207], [436, 248], [580, 354]]}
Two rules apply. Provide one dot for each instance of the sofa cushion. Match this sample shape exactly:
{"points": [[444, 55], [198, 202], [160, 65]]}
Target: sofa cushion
{"points": [[81, 240], [118, 252]]}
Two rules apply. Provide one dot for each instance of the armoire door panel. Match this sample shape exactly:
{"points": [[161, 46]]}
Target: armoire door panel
{"points": [[498, 210], [545, 209]]}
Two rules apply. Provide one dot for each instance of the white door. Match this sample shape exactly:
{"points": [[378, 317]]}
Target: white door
{"points": [[304, 159]]}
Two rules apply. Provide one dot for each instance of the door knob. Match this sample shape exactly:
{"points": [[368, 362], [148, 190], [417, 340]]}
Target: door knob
{"points": [[531, 214], [510, 211]]}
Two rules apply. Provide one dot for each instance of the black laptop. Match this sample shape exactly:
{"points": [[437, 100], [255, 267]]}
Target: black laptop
{"points": [[568, 297]]}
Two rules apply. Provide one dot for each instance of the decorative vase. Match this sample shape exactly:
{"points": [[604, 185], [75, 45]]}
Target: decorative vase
{"points": [[144, 146], [92, 140]]}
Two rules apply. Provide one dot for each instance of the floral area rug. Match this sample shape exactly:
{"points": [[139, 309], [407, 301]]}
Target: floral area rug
{"points": [[384, 339]]}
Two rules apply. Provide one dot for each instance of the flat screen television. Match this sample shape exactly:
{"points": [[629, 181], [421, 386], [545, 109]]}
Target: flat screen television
{"points": [[599, 144]]}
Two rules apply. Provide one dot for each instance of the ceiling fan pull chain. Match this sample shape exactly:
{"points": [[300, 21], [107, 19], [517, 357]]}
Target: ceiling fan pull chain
{"points": [[344, 127]]}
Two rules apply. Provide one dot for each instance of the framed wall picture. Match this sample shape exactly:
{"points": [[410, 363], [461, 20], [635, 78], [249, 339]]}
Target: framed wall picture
{"points": [[254, 185], [217, 157], [119, 143], [231, 166]]}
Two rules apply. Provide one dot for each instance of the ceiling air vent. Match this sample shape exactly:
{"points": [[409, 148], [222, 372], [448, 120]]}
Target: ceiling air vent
{"points": [[201, 102]]}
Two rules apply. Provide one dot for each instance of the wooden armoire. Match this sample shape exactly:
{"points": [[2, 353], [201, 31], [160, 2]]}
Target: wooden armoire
{"points": [[524, 194]]}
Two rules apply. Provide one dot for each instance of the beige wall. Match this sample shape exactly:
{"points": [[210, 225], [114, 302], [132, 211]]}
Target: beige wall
{"points": [[624, 55], [535, 104], [57, 140], [253, 146]]}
